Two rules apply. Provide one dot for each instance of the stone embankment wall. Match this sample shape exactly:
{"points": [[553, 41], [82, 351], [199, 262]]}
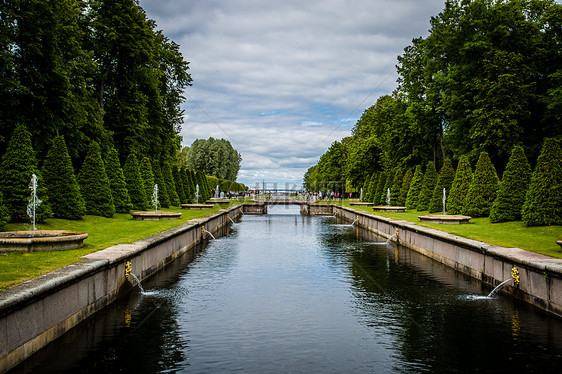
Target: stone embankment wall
{"points": [[539, 277], [36, 312]]}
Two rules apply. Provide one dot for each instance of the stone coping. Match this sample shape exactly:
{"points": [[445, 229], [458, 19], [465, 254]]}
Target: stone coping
{"points": [[516, 255], [390, 209], [197, 206], [155, 216], [41, 240], [358, 203], [445, 219], [217, 201]]}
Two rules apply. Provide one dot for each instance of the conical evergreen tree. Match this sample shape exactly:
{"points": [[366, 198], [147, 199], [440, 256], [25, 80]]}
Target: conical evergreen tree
{"points": [[483, 189], [415, 188], [147, 176], [395, 189], [18, 165], [405, 187], [162, 186], [170, 184], [206, 186], [373, 187], [513, 188], [192, 183], [444, 180], [387, 187], [429, 182], [62, 187], [135, 185], [3, 214], [95, 185], [186, 186], [119, 192], [179, 185], [365, 188], [543, 203], [460, 186], [379, 198]]}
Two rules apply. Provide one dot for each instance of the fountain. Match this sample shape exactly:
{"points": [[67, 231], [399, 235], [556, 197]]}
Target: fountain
{"points": [[155, 215], [197, 205], [444, 218], [499, 286], [389, 208], [39, 240], [360, 202]]}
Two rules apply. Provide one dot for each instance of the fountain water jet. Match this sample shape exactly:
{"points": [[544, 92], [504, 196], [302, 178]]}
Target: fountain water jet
{"points": [[499, 286]]}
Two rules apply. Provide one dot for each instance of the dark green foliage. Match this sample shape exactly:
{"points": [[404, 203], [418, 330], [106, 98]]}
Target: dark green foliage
{"points": [[513, 188], [396, 187], [543, 203], [121, 198], [415, 188], [483, 189], [62, 187], [18, 165], [186, 186], [147, 176], [170, 184], [180, 189], [95, 185], [379, 197], [405, 187], [387, 186], [3, 214], [191, 178], [214, 157], [366, 185], [135, 185], [163, 198], [460, 186], [444, 180], [371, 187], [429, 182]]}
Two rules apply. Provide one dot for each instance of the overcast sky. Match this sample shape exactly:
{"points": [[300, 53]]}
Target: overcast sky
{"points": [[282, 80]]}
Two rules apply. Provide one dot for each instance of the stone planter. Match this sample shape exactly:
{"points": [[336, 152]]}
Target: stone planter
{"points": [[445, 219], [155, 216], [41, 240], [197, 206], [390, 209]]}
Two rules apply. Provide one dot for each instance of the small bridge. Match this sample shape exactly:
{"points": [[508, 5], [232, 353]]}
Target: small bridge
{"points": [[306, 207]]}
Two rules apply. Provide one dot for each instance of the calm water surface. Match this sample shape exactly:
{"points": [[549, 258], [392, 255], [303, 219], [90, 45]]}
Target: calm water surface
{"points": [[285, 293]]}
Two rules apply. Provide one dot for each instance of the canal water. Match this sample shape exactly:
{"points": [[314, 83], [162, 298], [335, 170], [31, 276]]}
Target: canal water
{"points": [[285, 293]]}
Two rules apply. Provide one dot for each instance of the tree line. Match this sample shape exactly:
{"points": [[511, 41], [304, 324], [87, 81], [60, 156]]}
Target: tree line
{"points": [[93, 71], [101, 187], [487, 78], [212, 156]]}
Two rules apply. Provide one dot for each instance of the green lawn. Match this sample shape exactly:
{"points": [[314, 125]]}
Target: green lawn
{"points": [[507, 234], [16, 267]]}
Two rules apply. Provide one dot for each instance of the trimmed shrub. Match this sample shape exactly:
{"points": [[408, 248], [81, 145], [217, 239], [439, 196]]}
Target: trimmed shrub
{"points": [[405, 187], [387, 185], [513, 188], [369, 194], [460, 186], [119, 192], [483, 189], [3, 214], [543, 203], [186, 185], [429, 182], [95, 185], [147, 176], [179, 185], [415, 188], [396, 186], [444, 180], [18, 165], [170, 184], [135, 185], [378, 186], [365, 188], [191, 177], [163, 198], [61, 184]]}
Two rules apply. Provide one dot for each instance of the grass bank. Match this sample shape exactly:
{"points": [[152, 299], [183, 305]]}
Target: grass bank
{"points": [[17, 267], [540, 239]]}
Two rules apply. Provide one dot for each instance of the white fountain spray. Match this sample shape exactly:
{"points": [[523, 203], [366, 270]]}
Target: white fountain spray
{"points": [[154, 199], [34, 201], [361, 195], [197, 194], [444, 201]]}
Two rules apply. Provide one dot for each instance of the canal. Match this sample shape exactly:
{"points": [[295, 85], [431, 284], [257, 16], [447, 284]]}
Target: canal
{"points": [[289, 293]]}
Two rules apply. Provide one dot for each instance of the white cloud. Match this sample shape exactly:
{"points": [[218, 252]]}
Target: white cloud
{"points": [[282, 80]]}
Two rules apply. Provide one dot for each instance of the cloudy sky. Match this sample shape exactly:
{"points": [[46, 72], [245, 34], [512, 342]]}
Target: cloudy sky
{"points": [[282, 80]]}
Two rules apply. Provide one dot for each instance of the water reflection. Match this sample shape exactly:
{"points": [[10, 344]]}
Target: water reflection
{"points": [[291, 293]]}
